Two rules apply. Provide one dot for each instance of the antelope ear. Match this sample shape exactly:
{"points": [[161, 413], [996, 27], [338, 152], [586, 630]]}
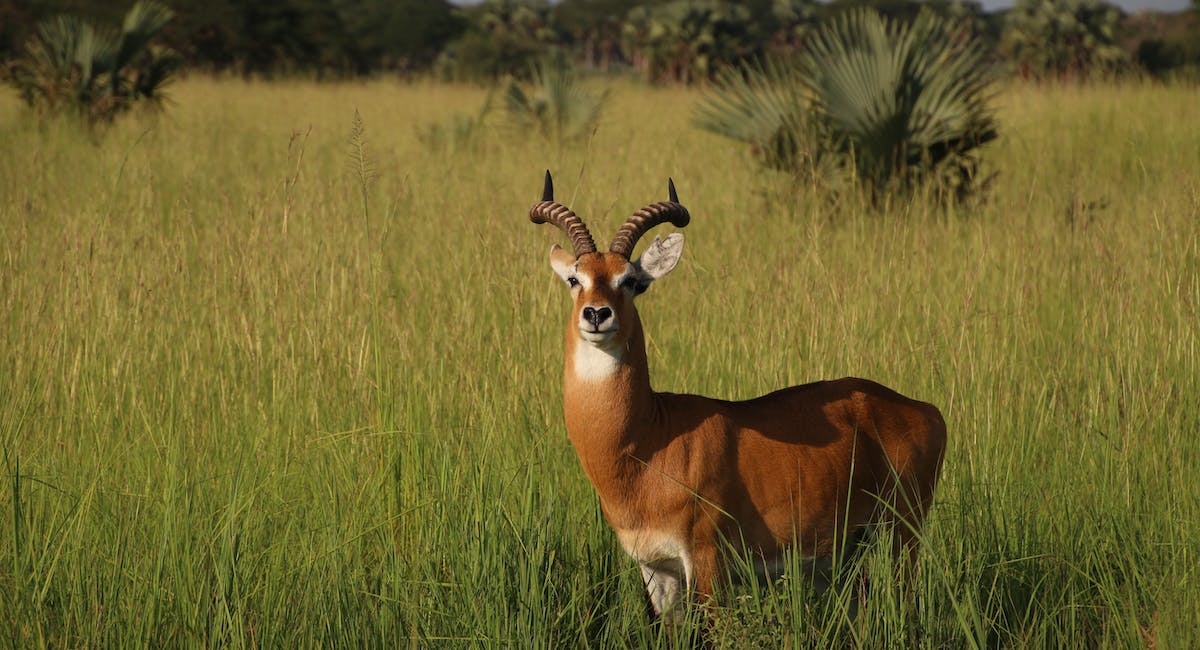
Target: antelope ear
{"points": [[661, 256], [561, 261]]}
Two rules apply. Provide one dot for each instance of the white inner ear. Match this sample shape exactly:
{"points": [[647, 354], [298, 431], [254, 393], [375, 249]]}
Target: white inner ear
{"points": [[661, 256], [562, 262]]}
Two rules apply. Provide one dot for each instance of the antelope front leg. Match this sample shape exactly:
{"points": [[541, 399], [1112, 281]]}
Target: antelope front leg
{"points": [[703, 571]]}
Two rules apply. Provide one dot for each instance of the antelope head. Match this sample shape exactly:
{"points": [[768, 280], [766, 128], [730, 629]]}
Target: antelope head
{"points": [[604, 284]]}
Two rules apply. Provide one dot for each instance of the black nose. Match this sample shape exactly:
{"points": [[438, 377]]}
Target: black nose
{"points": [[596, 316]]}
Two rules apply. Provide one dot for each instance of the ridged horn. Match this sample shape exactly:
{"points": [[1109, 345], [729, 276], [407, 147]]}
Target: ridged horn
{"points": [[548, 211], [648, 217]]}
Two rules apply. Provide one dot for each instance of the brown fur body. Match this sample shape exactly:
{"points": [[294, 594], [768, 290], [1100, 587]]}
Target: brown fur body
{"points": [[682, 477]]}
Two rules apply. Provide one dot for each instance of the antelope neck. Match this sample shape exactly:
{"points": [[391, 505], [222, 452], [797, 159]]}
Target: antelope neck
{"points": [[605, 405]]}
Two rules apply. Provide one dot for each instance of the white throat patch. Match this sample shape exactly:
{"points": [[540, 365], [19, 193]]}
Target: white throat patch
{"points": [[594, 362]]}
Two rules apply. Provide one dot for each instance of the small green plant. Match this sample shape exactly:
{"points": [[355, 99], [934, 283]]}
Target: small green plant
{"points": [[556, 106], [71, 66], [893, 105], [460, 132]]}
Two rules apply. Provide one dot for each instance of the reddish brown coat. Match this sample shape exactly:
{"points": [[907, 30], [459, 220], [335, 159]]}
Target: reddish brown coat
{"points": [[794, 468]]}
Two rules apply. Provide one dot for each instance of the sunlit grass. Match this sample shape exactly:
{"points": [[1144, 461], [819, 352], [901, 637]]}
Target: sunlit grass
{"points": [[207, 441]]}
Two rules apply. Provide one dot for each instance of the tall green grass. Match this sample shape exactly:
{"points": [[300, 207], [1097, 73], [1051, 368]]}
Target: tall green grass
{"points": [[250, 400]]}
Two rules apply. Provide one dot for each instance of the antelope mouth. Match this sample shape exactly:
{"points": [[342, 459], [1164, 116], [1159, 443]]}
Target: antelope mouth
{"points": [[594, 335]]}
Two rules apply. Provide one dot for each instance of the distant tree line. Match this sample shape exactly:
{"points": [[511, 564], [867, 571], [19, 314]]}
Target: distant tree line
{"points": [[659, 40], [314, 37]]}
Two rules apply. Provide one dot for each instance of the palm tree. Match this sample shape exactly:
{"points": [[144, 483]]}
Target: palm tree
{"points": [[684, 40], [1070, 39], [891, 104], [72, 66], [504, 37]]}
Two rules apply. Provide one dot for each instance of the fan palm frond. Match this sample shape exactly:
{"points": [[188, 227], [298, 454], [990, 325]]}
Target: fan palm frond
{"points": [[142, 23], [155, 74], [895, 103], [764, 106], [903, 96], [96, 73], [557, 106]]}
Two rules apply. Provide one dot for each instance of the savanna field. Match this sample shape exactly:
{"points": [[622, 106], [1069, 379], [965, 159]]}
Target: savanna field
{"points": [[260, 390]]}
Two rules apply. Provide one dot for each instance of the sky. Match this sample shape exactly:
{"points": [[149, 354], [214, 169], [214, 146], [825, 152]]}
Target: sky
{"points": [[1129, 6]]}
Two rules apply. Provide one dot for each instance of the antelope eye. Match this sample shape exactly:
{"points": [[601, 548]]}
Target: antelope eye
{"points": [[572, 282], [629, 283]]}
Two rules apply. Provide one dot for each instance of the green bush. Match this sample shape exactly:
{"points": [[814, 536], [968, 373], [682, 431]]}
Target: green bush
{"points": [[1171, 58], [459, 132], [71, 66], [504, 37], [891, 105], [555, 106]]}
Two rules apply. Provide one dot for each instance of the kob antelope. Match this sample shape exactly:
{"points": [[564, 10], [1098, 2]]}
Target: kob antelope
{"points": [[683, 477]]}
